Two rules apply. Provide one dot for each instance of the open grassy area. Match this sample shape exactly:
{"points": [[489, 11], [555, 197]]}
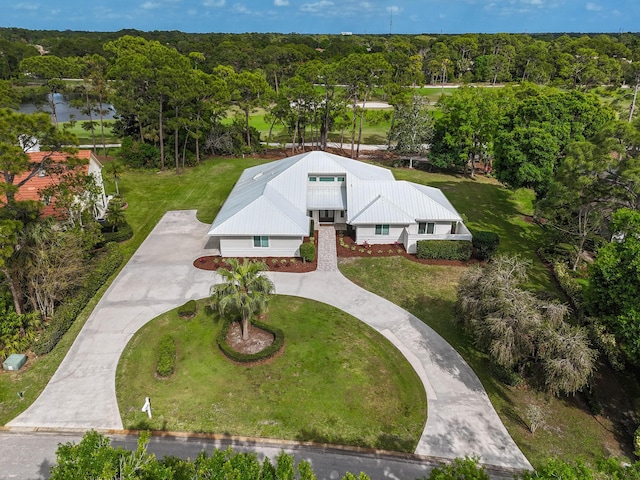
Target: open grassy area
{"points": [[338, 381], [429, 292], [84, 136]]}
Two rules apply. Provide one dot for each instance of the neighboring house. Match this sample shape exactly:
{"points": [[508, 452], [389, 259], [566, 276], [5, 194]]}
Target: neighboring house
{"points": [[32, 189], [269, 210]]}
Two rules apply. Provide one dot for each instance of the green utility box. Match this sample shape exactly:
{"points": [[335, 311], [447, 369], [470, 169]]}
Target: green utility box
{"points": [[15, 361]]}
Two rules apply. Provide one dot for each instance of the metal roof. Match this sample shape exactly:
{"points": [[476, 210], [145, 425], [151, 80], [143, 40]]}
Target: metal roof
{"points": [[326, 198], [273, 198]]}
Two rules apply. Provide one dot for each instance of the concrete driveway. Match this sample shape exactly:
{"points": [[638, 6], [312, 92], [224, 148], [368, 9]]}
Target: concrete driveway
{"points": [[160, 276]]}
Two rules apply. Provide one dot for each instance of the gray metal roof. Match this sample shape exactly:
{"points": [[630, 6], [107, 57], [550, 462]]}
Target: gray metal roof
{"points": [[273, 198]]}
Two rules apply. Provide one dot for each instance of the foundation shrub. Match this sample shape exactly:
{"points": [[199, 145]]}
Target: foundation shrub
{"points": [[486, 244], [308, 252], [270, 351], [444, 249]]}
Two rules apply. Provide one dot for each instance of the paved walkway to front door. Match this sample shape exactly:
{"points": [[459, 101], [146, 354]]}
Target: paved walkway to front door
{"points": [[160, 276]]}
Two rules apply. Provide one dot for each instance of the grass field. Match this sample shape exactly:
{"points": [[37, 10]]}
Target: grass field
{"points": [[570, 431], [338, 381], [84, 136]]}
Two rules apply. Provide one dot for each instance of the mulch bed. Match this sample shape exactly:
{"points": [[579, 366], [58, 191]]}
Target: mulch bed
{"points": [[390, 250], [275, 264], [258, 339]]}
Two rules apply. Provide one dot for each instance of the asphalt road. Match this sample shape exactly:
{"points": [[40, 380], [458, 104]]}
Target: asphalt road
{"points": [[29, 456]]}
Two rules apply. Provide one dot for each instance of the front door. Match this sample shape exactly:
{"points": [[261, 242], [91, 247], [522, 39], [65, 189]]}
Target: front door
{"points": [[326, 216]]}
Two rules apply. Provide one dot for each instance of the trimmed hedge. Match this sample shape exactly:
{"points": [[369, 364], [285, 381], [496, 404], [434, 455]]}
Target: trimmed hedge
{"points": [[64, 316], [270, 351], [124, 232], [308, 252], [444, 249], [166, 363], [188, 309], [486, 244]]}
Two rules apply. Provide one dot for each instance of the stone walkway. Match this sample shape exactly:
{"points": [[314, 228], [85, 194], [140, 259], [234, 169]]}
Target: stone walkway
{"points": [[160, 276], [327, 254]]}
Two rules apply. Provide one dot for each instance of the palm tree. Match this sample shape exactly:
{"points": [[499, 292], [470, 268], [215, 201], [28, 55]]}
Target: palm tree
{"points": [[245, 291]]}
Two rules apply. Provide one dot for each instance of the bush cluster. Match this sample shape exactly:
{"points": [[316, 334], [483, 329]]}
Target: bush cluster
{"points": [[166, 363], [486, 244], [270, 351], [444, 249], [188, 309], [123, 232], [64, 316], [308, 252]]}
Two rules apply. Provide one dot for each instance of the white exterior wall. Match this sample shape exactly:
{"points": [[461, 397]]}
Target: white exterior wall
{"points": [[95, 169], [243, 247], [367, 233], [411, 239]]}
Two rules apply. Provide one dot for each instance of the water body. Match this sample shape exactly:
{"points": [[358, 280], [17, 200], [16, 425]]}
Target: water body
{"points": [[64, 111]]}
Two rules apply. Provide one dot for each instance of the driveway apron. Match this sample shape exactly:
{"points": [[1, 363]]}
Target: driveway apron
{"points": [[160, 276]]}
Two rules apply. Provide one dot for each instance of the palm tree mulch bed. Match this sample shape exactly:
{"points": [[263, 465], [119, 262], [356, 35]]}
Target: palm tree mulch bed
{"points": [[275, 264], [388, 250], [258, 339]]}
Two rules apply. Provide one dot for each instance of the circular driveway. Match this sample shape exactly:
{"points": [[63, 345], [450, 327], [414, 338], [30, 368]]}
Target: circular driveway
{"points": [[160, 276]]}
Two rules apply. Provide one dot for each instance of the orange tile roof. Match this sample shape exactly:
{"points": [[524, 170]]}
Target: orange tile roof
{"points": [[31, 189]]}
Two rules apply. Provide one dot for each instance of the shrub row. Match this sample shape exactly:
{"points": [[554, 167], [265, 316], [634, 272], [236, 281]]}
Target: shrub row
{"points": [[308, 252], [486, 244], [107, 262], [166, 362], [188, 309], [444, 249], [268, 352], [569, 286], [124, 232]]}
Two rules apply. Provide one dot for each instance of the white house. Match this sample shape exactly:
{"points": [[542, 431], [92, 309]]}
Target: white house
{"points": [[269, 210]]}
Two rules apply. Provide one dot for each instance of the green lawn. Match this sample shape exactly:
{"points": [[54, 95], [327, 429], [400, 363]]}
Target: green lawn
{"points": [[429, 292], [84, 136], [338, 381]]}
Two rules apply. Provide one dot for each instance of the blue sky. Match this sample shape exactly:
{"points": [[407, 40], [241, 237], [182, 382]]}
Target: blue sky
{"points": [[325, 16]]}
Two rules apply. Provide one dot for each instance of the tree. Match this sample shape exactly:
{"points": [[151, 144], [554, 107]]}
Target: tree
{"points": [[614, 282], [249, 90], [19, 133], [412, 128], [115, 168], [245, 292], [464, 133], [9, 230], [518, 329], [52, 70], [115, 214], [51, 265]]}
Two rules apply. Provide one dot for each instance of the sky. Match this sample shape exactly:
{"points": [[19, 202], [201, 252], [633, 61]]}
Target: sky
{"points": [[325, 16]]}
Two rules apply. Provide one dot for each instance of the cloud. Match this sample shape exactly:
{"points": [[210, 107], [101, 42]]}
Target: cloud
{"points": [[316, 7], [593, 7], [150, 5], [26, 6], [394, 9], [214, 3], [280, 3], [239, 8]]}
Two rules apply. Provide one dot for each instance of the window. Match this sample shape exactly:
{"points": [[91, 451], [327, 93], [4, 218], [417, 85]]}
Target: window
{"points": [[312, 179], [341, 213], [454, 226], [430, 228], [422, 227], [341, 179], [260, 241], [327, 179], [382, 229]]}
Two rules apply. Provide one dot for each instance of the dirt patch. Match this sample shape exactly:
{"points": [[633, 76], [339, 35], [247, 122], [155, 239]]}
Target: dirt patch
{"points": [[258, 339]]}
